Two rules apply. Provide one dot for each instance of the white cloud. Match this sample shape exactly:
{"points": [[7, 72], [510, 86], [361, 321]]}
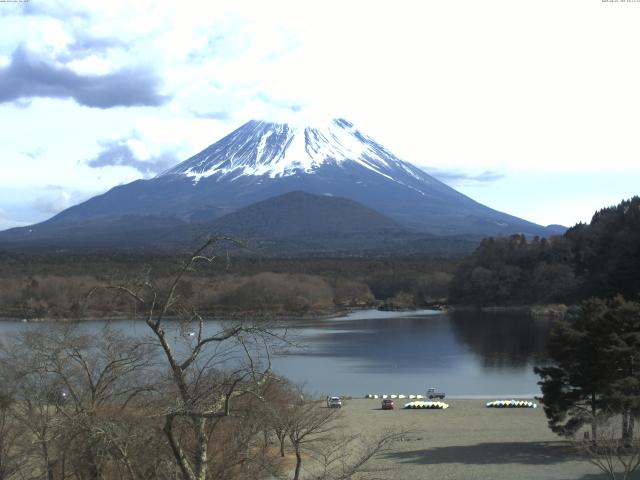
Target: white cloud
{"points": [[497, 86], [54, 202], [53, 34], [90, 65]]}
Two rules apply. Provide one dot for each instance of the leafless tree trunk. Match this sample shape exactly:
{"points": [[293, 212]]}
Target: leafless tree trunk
{"points": [[10, 434], [315, 434], [345, 457], [281, 399], [201, 398], [615, 449], [72, 391], [309, 423]]}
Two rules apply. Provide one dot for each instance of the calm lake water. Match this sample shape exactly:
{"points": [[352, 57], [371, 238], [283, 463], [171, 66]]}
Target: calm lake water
{"points": [[465, 354]]}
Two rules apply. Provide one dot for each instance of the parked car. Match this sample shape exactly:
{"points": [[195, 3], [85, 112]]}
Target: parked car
{"points": [[432, 393], [388, 404], [334, 402]]}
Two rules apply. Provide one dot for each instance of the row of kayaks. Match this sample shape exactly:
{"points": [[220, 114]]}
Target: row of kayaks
{"points": [[418, 404], [511, 404], [427, 405], [494, 404], [393, 396]]}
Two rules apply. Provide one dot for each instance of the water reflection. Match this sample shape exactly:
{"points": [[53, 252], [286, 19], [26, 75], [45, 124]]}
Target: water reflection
{"points": [[386, 343], [465, 353], [462, 353], [503, 339], [499, 340]]}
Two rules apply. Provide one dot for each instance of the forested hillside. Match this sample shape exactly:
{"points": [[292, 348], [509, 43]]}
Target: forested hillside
{"points": [[597, 259]]}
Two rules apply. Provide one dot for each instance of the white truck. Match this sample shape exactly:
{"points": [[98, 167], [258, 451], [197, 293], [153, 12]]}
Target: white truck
{"points": [[432, 393]]}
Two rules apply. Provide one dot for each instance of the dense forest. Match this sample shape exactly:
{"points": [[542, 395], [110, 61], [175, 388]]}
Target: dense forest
{"points": [[55, 284], [600, 259]]}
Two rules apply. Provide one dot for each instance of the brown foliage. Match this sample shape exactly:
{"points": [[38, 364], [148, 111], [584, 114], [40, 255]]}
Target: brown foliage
{"points": [[54, 285], [280, 292]]}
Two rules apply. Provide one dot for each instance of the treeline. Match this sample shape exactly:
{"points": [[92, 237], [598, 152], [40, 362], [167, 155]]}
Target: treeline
{"points": [[599, 259], [56, 285]]}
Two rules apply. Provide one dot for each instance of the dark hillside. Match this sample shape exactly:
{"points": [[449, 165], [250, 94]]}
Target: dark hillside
{"points": [[599, 259], [297, 214]]}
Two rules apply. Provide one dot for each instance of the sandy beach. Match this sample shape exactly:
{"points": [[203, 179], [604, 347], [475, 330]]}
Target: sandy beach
{"points": [[468, 441]]}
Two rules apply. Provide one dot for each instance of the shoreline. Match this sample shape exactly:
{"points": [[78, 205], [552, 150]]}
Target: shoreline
{"points": [[543, 311], [550, 310], [232, 315]]}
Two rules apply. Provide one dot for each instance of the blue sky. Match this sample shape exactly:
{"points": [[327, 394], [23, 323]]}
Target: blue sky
{"points": [[528, 107]]}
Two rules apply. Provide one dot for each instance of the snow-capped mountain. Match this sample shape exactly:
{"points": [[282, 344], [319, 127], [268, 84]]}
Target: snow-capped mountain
{"points": [[280, 150], [261, 160]]}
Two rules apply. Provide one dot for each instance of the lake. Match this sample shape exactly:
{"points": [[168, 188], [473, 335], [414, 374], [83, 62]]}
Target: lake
{"points": [[465, 354]]}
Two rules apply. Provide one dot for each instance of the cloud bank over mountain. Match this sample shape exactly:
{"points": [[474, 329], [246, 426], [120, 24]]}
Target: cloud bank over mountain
{"points": [[28, 76], [470, 90]]}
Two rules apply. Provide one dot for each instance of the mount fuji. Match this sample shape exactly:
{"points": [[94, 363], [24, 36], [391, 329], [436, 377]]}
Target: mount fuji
{"points": [[261, 160]]}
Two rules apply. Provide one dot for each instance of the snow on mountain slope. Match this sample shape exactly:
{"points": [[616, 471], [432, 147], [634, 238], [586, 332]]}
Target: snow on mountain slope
{"points": [[279, 150], [262, 160]]}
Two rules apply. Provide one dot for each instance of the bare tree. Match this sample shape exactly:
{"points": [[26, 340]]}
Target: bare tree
{"points": [[191, 400], [614, 449], [281, 399], [10, 435], [74, 395], [309, 422], [236, 449], [202, 390], [34, 393], [346, 457], [315, 433]]}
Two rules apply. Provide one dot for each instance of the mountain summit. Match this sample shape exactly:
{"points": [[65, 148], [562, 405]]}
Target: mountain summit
{"points": [[261, 160], [280, 150]]}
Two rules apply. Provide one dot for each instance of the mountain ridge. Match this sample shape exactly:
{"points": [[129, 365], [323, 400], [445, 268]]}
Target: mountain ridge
{"points": [[262, 160]]}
